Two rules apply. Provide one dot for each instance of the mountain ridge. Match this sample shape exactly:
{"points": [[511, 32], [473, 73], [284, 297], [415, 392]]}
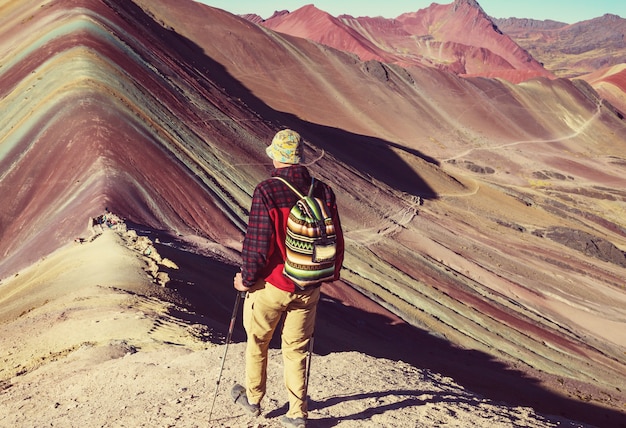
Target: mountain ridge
{"points": [[459, 50], [451, 228], [523, 37], [573, 50]]}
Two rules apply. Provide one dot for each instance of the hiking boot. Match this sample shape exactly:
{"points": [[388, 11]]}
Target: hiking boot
{"points": [[293, 422], [239, 395]]}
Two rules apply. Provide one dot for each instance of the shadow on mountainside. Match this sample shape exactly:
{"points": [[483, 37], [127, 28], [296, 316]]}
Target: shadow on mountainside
{"points": [[204, 285], [370, 156], [345, 328]]}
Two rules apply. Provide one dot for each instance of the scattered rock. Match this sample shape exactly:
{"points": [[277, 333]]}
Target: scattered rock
{"points": [[587, 243], [547, 175], [162, 278], [478, 169]]}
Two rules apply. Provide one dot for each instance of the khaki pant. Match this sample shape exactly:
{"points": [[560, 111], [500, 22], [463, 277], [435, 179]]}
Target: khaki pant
{"points": [[263, 307]]}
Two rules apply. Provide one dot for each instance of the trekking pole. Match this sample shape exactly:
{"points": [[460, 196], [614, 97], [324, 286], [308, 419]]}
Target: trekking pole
{"points": [[231, 327], [309, 356], [308, 366]]}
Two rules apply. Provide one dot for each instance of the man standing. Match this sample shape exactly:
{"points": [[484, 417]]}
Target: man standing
{"points": [[270, 294]]}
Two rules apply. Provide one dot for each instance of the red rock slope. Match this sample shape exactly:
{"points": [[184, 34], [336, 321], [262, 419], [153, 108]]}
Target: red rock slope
{"points": [[457, 37]]}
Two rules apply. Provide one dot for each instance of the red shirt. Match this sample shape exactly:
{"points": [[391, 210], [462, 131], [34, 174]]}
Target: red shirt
{"points": [[264, 251]]}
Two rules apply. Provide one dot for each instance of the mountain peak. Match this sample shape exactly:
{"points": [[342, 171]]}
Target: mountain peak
{"points": [[470, 3], [459, 37]]}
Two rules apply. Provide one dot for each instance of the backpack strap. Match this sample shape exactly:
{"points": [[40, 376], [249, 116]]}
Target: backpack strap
{"points": [[312, 205], [311, 188], [296, 191]]}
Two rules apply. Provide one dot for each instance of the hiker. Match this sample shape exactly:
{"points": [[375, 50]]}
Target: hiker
{"points": [[93, 223], [270, 294]]}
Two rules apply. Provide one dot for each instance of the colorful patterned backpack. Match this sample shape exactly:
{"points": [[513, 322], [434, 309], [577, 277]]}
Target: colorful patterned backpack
{"points": [[311, 242]]}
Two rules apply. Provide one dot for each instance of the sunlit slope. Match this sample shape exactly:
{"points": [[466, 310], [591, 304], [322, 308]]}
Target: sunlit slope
{"points": [[97, 116]]}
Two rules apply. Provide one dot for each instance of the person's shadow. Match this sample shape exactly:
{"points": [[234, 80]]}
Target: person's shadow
{"points": [[409, 400]]}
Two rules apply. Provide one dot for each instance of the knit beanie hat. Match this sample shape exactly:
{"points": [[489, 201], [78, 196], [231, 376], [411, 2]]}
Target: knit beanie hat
{"points": [[286, 147]]}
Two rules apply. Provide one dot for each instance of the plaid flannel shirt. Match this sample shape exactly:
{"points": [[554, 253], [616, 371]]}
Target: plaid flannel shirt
{"points": [[264, 251]]}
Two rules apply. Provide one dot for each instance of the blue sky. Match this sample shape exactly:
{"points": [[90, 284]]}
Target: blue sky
{"points": [[569, 11]]}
